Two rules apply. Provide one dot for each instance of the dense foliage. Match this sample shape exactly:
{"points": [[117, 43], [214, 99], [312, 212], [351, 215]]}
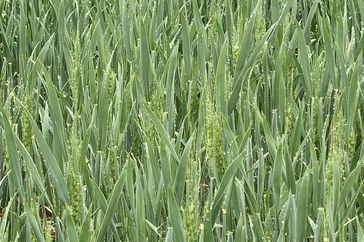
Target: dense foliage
{"points": [[183, 120]]}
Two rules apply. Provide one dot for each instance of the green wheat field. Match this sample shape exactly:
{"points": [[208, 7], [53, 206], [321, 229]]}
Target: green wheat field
{"points": [[181, 120]]}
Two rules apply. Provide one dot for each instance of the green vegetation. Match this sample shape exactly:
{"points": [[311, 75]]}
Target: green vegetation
{"points": [[183, 120]]}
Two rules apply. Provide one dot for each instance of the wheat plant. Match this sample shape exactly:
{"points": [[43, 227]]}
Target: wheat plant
{"points": [[181, 120]]}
